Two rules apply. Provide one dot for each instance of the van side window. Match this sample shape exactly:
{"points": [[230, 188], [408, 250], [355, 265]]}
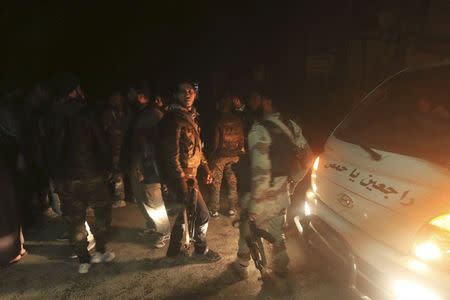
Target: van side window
{"points": [[409, 114]]}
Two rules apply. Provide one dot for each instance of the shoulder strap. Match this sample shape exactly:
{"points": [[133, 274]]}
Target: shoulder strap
{"points": [[289, 123], [272, 126], [190, 121]]}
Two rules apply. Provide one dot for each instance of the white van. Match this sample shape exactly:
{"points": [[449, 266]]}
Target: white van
{"points": [[378, 210]]}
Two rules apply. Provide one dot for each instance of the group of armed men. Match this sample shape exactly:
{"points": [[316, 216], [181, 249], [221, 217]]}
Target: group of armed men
{"points": [[154, 155]]}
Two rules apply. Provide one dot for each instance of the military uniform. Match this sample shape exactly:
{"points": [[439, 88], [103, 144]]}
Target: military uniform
{"points": [[228, 146], [269, 196]]}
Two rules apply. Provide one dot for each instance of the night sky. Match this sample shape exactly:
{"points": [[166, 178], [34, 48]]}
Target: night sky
{"points": [[111, 44], [104, 42]]}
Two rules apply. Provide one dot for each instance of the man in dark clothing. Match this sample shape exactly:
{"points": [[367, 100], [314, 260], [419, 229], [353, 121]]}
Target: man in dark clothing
{"points": [[134, 105], [146, 181], [11, 238], [181, 154], [115, 123], [251, 114], [37, 143], [227, 147], [81, 161]]}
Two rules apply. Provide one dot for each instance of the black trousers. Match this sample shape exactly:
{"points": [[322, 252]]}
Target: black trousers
{"points": [[201, 228]]}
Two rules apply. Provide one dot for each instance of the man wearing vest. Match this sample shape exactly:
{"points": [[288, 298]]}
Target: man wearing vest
{"points": [[270, 142]]}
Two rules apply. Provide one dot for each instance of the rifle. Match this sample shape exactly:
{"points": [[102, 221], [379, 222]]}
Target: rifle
{"points": [[255, 244], [190, 215]]}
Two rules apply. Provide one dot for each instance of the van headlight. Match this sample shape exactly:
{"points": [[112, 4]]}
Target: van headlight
{"points": [[407, 290], [433, 241]]}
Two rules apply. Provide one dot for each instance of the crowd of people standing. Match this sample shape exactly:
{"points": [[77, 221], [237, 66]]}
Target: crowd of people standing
{"points": [[72, 158]]}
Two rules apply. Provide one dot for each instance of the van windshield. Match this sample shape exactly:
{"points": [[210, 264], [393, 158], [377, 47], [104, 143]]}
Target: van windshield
{"points": [[409, 114]]}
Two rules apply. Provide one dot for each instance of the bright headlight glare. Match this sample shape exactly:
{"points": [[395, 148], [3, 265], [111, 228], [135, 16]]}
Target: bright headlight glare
{"points": [[307, 209], [428, 251], [406, 290], [314, 175], [442, 222], [433, 241], [316, 164]]}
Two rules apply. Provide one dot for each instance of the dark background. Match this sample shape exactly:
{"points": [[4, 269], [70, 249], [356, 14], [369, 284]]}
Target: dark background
{"points": [[323, 55], [104, 42]]}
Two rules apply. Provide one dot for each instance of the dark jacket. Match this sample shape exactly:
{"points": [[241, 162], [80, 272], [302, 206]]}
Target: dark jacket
{"points": [[143, 158], [180, 151], [81, 149], [115, 124], [228, 138]]}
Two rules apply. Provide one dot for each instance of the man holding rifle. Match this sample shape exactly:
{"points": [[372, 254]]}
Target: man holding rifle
{"points": [[278, 155], [180, 155]]}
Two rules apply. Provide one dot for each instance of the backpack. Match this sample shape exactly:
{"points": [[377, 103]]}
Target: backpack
{"points": [[287, 158]]}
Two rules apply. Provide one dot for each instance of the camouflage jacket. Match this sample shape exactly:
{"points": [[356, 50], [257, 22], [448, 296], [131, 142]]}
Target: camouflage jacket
{"points": [[181, 151], [228, 136], [269, 196]]}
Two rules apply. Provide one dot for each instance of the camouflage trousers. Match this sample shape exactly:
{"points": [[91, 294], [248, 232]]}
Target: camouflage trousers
{"points": [[77, 195], [222, 167], [275, 227]]}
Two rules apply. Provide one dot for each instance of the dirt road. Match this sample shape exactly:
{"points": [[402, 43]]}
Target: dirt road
{"points": [[139, 272]]}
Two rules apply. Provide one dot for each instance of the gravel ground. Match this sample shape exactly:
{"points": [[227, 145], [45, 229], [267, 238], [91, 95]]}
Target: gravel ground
{"points": [[140, 272]]}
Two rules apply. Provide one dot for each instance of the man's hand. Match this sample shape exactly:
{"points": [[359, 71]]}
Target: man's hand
{"points": [[140, 178], [252, 216], [209, 178], [139, 175]]}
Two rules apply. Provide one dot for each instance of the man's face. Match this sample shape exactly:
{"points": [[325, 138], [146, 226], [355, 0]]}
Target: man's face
{"points": [[266, 105], [159, 101], [116, 102], [142, 99], [254, 102], [77, 94], [186, 95], [237, 103]]}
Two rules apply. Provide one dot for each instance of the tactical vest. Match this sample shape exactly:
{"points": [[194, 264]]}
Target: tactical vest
{"points": [[231, 136], [285, 156]]}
